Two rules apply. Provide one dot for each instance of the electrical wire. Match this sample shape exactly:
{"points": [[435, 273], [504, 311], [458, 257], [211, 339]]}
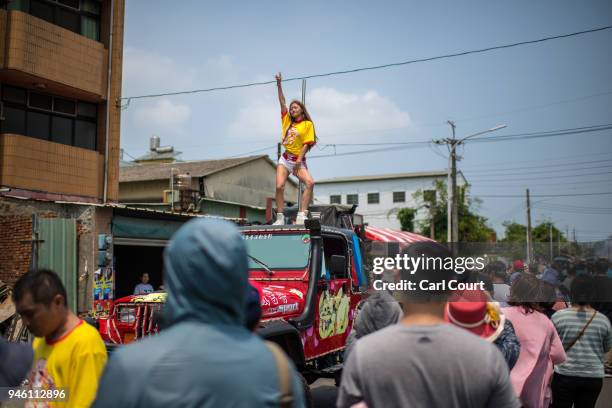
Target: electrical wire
{"points": [[537, 178], [552, 133], [544, 166], [540, 195], [528, 108], [254, 151], [556, 171], [370, 68], [476, 166]]}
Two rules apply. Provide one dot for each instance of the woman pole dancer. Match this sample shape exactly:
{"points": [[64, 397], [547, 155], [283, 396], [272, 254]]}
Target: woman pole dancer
{"points": [[298, 136]]}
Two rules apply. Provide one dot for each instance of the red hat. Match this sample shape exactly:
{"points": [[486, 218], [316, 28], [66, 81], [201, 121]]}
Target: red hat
{"points": [[473, 313], [518, 265]]}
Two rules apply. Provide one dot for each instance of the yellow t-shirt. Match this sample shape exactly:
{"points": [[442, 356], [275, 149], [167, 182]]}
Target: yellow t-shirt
{"points": [[73, 362], [296, 135]]}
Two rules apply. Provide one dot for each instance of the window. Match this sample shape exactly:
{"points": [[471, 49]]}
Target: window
{"points": [[335, 199], [16, 95], [333, 245], [352, 199], [88, 110], [277, 251], [85, 134], [70, 3], [373, 198], [21, 5], [79, 16], [40, 101], [41, 9], [64, 106], [14, 120], [399, 196], [38, 125], [61, 130], [49, 117], [67, 19]]}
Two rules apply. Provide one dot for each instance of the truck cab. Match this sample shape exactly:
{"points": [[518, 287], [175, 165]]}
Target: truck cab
{"points": [[311, 280]]}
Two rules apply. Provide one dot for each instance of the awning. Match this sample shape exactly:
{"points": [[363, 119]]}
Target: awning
{"points": [[389, 235], [152, 229]]}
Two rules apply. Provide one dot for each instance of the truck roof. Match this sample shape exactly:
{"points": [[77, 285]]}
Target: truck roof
{"points": [[296, 228]]}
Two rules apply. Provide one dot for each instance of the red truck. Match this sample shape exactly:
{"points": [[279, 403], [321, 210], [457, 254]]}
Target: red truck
{"points": [[311, 279]]}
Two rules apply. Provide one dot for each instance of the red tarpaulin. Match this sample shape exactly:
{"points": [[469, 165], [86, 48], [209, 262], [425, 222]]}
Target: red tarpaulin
{"points": [[389, 235]]}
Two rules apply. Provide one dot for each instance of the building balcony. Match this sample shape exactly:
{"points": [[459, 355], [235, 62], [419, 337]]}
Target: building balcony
{"points": [[36, 53], [51, 169]]}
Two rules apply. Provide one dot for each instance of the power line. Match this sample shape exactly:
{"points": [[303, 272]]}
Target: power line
{"points": [[395, 64], [540, 195], [543, 160], [528, 108], [521, 184], [530, 135], [537, 135], [254, 151], [538, 178], [385, 149], [567, 164], [555, 171], [574, 207]]}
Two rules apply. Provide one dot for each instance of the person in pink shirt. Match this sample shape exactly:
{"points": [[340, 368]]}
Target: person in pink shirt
{"points": [[541, 347]]}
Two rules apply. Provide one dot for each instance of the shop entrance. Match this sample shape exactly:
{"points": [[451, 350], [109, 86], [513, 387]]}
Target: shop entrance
{"points": [[133, 260]]}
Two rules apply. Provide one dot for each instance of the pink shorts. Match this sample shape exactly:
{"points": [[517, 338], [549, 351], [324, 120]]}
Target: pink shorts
{"points": [[288, 160]]}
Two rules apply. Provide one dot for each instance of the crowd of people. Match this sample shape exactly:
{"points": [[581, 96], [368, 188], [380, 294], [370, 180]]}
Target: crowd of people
{"points": [[522, 342]]}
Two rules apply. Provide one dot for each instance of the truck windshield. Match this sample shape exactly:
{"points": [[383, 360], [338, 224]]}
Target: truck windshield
{"points": [[278, 251]]}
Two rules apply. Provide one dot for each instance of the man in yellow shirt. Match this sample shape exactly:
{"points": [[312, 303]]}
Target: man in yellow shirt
{"points": [[69, 354]]}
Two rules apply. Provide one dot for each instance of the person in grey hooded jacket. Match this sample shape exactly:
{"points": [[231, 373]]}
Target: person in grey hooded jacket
{"points": [[379, 311], [205, 356]]}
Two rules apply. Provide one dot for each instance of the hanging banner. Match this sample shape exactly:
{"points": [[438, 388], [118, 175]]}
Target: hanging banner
{"points": [[103, 290]]}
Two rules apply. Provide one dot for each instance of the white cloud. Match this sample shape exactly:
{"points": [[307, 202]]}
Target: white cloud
{"points": [[146, 72], [162, 113], [336, 115]]}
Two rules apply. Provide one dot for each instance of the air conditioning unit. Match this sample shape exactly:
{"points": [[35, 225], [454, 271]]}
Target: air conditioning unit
{"points": [[171, 196]]}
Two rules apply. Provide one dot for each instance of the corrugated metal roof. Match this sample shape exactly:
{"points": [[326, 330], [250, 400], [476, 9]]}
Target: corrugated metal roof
{"points": [[194, 168]]}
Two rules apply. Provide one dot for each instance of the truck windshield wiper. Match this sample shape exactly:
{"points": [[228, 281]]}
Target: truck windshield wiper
{"points": [[265, 266]]}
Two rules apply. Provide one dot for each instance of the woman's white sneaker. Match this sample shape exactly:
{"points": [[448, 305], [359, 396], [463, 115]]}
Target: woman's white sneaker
{"points": [[280, 219], [301, 217]]}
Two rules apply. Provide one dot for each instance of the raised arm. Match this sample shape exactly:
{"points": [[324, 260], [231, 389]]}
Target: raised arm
{"points": [[281, 96]]}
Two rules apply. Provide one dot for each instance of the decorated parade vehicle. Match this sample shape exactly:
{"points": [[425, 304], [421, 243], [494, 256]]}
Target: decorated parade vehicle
{"points": [[311, 280]]}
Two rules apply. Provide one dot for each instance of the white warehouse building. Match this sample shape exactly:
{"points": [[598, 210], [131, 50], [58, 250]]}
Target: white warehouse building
{"points": [[380, 197]]}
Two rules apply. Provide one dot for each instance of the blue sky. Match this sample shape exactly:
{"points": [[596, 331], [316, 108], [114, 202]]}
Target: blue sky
{"points": [[558, 84]]}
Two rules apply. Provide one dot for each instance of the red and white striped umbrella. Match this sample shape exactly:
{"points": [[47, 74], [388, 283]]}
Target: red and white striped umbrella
{"points": [[389, 235]]}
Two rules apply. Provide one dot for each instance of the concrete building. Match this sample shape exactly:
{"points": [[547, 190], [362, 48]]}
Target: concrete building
{"points": [[237, 188], [60, 88], [380, 197]]}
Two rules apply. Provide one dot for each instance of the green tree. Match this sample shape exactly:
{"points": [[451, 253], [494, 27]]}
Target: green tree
{"points": [[472, 227], [514, 232], [541, 233], [406, 218]]}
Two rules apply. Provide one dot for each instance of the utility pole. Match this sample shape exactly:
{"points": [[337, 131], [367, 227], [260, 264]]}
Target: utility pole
{"points": [[454, 203], [550, 240], [432, 227], [452, 209], [278, 151], [529, 237], [301, 185]]}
